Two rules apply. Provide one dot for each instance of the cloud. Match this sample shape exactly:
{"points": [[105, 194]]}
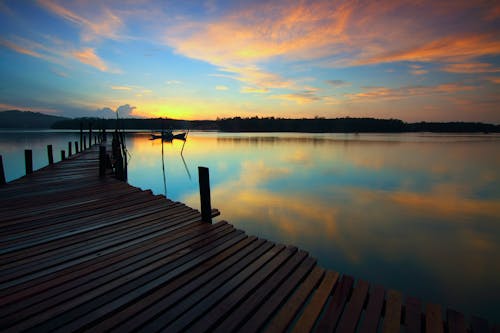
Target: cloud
{"points": [[125, 110], [19, 48], [89, 57], [450, 48], [221, 88], [338, 83], [493, 79], [418, 70], [303, 97], [95, 21], [253, 90], [105, 113], [126, 88], [470, 68], [384, 93]]}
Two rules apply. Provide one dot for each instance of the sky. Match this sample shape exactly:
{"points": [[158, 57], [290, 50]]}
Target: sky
{"points": [[413, 60]]}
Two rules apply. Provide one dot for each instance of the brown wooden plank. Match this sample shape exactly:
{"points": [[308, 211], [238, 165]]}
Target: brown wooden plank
{"points": [[278, 298], [138, 313], [185, 298], [351, 315], [392, 318], [373, 310], [146, 278], [433, 319], [248, 306], [336, 306], [456, 322], [230, 303], [312, 311], [289, 310], [413, 315]]}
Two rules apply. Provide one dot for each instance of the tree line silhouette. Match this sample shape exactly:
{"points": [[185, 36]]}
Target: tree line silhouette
{"points": [[271, 124]]}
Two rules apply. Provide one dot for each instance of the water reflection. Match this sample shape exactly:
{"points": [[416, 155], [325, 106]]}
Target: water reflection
{"points": [[417, 213]]}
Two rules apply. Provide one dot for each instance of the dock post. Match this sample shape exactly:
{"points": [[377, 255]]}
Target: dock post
{"points": [[28, 161], [90, 135], [102, 161], [76, 147], [104, 136], [2, 173], [84, 143], [50, 156], [206, 206], [69, 149], [81, 136], [63, 155]]}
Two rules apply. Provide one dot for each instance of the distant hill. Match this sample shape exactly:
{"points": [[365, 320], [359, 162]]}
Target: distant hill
{"points": [[27, 119]]}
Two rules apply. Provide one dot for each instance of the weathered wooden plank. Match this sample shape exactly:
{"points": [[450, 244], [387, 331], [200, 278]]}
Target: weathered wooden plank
{"points": [[433, 319], [352, 313], [336, 306], [136, 314], [277, 298], [392, 318], [258, 296], [456, 322], [250, 275], [145, 278], [185, 298], [289, 310], [312, 311], [413, 315], [373, 310], [231, 301]]}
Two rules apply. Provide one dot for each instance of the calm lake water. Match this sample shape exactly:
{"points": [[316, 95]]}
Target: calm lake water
{"points": [[419, 213]]}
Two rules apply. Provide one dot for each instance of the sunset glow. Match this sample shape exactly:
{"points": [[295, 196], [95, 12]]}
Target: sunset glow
{"points": [[415, 61]]}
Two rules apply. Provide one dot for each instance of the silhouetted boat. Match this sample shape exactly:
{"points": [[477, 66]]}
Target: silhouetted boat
{"points": [[169, 136]]}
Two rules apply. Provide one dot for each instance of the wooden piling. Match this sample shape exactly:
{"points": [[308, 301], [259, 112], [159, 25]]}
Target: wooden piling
{"points": [[76, 147], [63, 155], [69, 149], [206, 206], [84, 143], [90, 135], [102, 161], [28, 161], [2, 172], [50, 156]]}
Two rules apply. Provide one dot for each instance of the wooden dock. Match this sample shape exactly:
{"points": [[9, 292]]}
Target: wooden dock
{"points": [[81, 252]]}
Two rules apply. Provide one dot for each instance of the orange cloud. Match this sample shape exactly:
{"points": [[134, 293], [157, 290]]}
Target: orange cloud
{"points": [[379, 93], [254, 90], [470, 68], [300, 98], [89, 57], [121, 88], [19, 49], [102, 23], [444, 49]]}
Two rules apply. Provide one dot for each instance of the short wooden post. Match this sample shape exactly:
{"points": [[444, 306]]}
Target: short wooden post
{"points": [[28, 159], [84, 143], [69, 149], [90, 135], [63, 155], [206, 206], [102, 161], [2, 173], [104, 136], [76, 147], [50, 156]]}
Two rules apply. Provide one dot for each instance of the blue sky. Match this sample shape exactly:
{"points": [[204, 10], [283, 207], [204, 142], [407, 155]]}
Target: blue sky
{"points": [[425, 60]]}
